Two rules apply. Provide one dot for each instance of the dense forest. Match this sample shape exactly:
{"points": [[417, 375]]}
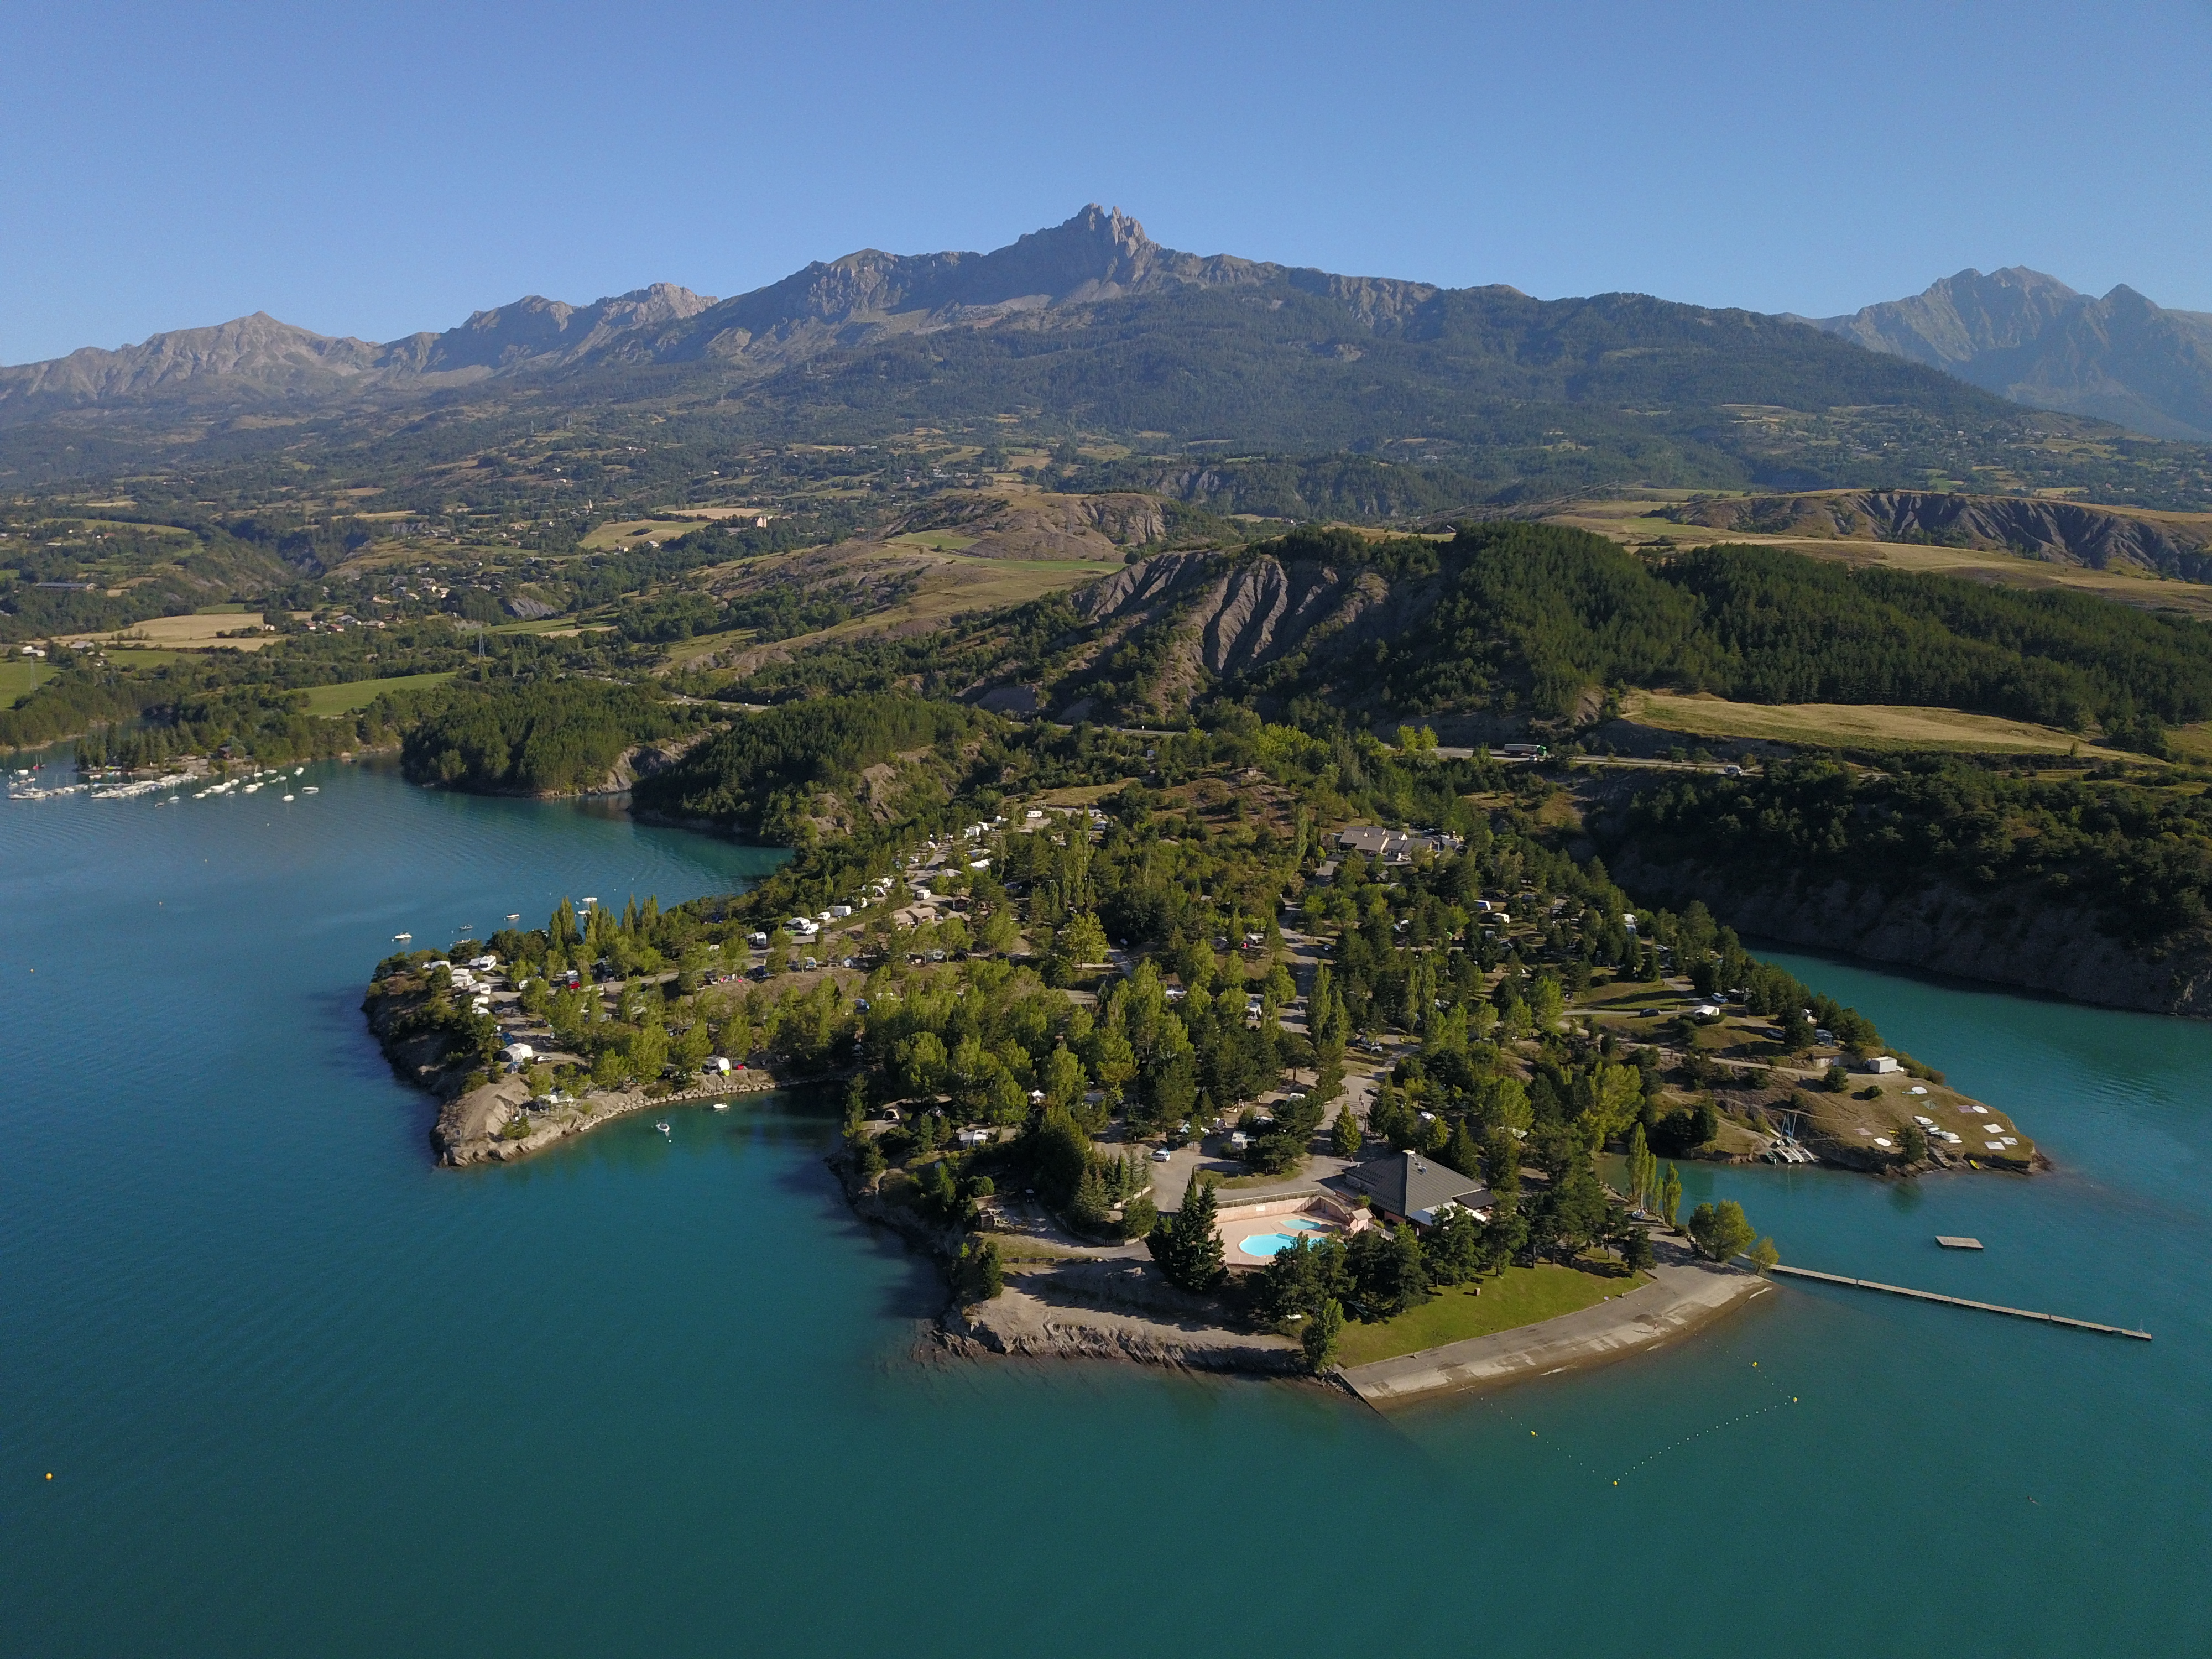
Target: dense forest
{"points": [[763, 774], [2141, 856], [1531, 616], [536, 737]]}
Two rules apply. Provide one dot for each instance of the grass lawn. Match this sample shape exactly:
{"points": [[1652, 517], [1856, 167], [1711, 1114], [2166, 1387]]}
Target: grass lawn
{"points": [[356, 695], [1523, 1296], [20, 676], [1012, 1250]]}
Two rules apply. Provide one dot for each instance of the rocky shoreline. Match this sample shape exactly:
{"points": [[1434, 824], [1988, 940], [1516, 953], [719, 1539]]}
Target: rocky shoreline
{"points": [[1110, 1308], [1118, 1308], [2020, 941]]}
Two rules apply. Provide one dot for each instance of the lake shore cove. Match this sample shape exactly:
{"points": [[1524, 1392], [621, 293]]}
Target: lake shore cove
{"points": [[495, 1111]]}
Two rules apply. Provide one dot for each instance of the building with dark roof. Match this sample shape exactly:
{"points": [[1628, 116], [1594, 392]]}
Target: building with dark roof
{"points": [[1406, 1187], [1393, 846]]}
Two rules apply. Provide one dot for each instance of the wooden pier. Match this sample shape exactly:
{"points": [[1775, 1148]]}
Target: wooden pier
{"points": [[1961, 1301]]}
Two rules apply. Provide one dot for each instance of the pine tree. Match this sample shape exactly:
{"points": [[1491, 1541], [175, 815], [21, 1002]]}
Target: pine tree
{"points": [[1188, 1248], [1461, 1152], [1506, 1233], [1636, 1251], [1319, 1338], [1345, 1137], [1091, 1209], [981, 1274], [1139, 1216]]}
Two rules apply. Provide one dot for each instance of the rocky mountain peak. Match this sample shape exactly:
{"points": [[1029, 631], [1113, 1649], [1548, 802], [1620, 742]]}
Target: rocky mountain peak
{"points": [[2030, 338]]}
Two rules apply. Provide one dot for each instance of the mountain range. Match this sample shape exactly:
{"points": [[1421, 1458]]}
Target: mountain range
{"points": [[1091, 326], [2029, 337], [863, 298]]}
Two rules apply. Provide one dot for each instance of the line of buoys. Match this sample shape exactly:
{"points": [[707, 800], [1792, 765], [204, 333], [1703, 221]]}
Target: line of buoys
{"points": [[1688, 1439]]}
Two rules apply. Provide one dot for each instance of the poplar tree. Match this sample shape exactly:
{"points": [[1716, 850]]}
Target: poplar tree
{"points": [[1670, 1195], [1643, 1167]]}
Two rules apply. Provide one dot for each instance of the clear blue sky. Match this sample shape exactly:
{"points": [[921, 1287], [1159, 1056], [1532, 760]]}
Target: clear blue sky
{"points": [[374, 170]]}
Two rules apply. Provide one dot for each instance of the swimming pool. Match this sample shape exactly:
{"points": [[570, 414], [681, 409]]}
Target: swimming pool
{"points": [[1268, 1244]]}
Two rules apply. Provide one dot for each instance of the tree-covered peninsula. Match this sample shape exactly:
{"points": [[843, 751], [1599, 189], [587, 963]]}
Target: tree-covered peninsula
{"points": [[1086, 996]]}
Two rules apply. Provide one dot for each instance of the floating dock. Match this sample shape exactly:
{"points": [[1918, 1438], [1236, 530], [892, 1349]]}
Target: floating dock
{"points": [[1953, 1241], [1961, 1301]]}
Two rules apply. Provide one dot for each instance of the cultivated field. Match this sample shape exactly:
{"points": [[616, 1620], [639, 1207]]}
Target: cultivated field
{"points": [[946, 584], [195, 633], [628, 531], [1852, 725], [356, 696]]}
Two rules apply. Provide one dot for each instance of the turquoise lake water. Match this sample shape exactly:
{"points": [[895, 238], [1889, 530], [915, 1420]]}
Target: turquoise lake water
{"points": [[302, 1393]]}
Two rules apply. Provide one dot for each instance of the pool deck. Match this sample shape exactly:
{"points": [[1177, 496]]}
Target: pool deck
{"points": [[1276, 1217], [1683, 1295]]}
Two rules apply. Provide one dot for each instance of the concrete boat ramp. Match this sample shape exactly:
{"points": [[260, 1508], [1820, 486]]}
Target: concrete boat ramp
{"points": [[1680, 1297]]}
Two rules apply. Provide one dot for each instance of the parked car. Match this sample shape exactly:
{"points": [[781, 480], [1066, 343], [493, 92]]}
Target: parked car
{"points": [[1161, 1154]]}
